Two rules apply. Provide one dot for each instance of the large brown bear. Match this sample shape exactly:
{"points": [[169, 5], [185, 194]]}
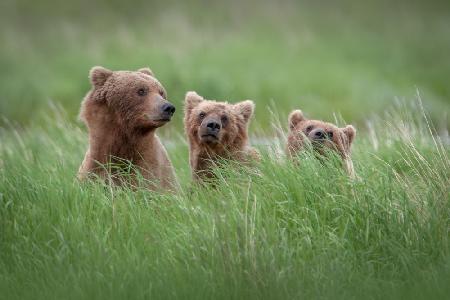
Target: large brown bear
{"points": [[122, 112], [320, 135], [216, 130]]}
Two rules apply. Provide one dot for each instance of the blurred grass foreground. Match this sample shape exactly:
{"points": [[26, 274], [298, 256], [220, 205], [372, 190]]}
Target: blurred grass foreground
{"points": [[351, 57]]}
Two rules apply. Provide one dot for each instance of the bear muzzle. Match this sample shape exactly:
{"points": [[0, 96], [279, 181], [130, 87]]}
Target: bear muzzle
{"points": [[210, 131], [320, 138], [318, 135], [166, 112]]}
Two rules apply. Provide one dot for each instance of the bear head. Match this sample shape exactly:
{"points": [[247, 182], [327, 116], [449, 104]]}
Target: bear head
{"points": [[217, 124], [135, 99], [321, 135]]}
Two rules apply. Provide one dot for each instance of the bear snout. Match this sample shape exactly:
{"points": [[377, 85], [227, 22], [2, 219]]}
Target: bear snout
{"points": [[167, 110], [210, 130], [318, 134], [213, 126]]}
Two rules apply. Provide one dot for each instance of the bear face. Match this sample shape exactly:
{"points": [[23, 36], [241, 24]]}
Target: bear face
{"points": [[217, 124], [216, 130], [322, 136], [137, 100]]}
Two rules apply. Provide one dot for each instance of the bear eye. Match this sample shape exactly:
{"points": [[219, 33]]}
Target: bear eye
{"points": [[224, 119], [142, 92], [202, 115], [309, 128], [330, 134], [161, 93]]}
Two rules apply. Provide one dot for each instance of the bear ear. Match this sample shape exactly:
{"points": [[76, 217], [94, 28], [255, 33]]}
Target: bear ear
{"points": [[191, 100], [350, 132], [295, 117], [99, 75], [147, 71], [245, 108]]}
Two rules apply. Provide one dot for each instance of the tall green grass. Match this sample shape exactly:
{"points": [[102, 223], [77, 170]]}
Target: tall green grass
{"points": [[275, 230]]}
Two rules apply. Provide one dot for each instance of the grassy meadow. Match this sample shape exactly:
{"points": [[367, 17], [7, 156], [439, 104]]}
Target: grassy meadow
{"points": [[276, 230]]}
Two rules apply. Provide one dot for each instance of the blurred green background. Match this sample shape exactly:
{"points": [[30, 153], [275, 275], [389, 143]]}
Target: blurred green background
{"points": [[350, 57]]}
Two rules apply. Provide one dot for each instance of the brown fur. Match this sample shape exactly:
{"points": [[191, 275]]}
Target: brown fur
{"points": [[302, 130], [122, 112], [232, 140]]}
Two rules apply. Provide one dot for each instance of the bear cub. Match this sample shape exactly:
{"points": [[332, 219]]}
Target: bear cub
{"points": [[216, 130], [122, 111], [321, 136]]}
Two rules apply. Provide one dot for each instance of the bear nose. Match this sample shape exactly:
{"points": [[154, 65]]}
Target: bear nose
{"points": [[319, 134], [168, 109], [213, 126]]}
